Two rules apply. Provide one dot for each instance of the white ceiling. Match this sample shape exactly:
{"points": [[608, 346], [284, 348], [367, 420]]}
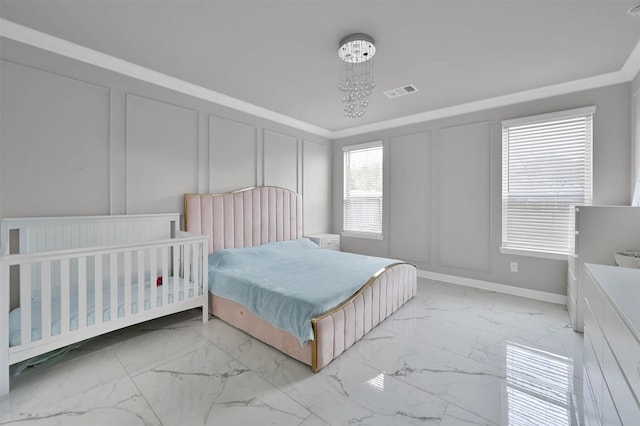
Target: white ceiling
{"points": [[282, 55]]}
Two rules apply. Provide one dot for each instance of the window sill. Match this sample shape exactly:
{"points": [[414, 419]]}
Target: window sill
{"points": [[364, 235], [533, 253]]}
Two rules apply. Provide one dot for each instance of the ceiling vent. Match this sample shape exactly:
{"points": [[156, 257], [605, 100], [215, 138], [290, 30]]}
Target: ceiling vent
{"points": [[401, 91]]}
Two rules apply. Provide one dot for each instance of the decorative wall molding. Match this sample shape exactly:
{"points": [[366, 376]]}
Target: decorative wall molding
{"points": [[270, 137], [71, 50], [440, 146], [129, 99], [402, 192], [47, 42], [242, 135], [35, 154], [498, 288]]}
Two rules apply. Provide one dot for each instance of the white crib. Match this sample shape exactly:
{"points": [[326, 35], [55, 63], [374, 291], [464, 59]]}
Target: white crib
{"points": [[66, 272]]}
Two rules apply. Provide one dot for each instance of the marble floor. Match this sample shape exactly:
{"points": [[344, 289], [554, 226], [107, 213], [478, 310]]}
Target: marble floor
{"points": [[451, 356]]}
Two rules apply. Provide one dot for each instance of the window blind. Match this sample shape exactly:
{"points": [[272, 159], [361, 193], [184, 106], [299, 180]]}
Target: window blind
{"points": [[546, 168], [363, 189]]}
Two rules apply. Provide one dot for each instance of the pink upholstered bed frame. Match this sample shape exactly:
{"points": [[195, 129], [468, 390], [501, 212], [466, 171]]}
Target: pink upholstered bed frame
{"points": [[262, 215]]}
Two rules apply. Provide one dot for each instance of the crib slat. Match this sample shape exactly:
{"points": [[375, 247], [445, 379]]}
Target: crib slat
{"points": [[141, 273], [187, 270], [113, 301], [25, 303], [73, 235], [82, 292], [153, 289], [141, 281], [28, 240], [45, 291], [98, 307], [176, 271], [165, 275], [64, 296], [4, 331], [195, 274], [127, 283], [66, 237], [204, 285], [49, 239], [81, 236]]}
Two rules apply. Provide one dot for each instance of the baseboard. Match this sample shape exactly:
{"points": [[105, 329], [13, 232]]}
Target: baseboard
{"points": [[498, 288]]}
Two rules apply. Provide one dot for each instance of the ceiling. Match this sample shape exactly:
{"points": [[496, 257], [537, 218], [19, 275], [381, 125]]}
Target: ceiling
{"points": [[282, 55]]}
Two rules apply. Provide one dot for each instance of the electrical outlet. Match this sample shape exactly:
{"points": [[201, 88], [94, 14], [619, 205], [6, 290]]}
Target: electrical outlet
{"points": [[514, 266]]}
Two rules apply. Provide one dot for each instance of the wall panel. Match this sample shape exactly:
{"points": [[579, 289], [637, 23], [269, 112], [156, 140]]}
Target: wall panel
{"points": [[280, 160], [55, 144], [316, 187], [162, 155], [464, 168], [409, 197], [232, 155], [76, 139]]}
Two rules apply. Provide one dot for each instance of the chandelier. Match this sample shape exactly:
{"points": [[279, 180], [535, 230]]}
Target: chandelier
{"points": [[356, 52]]}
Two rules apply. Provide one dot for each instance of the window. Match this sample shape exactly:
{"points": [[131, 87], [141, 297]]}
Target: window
{"points": [[363, 189], [546, 168]]}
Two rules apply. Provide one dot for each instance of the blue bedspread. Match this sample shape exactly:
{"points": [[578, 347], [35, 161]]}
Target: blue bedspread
{"points": [[288, 283]]}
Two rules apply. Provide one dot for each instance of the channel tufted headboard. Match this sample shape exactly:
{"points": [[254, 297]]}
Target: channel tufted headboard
{"points": [[245, 218]]}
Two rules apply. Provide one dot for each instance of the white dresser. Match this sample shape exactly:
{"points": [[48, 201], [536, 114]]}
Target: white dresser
{"points": [[611, 345], [326, 241], [600, 231]]}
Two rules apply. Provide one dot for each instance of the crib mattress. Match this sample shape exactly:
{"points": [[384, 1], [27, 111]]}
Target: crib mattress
{"points": [[36, 306]]}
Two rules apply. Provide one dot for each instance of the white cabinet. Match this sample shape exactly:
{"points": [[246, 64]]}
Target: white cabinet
{"points": [[611, 345], [326, 241], [600, 231]]}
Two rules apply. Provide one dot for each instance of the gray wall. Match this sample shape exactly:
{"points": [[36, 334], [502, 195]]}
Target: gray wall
{"points": [[76, 139], [635, 133], [442, 189]]}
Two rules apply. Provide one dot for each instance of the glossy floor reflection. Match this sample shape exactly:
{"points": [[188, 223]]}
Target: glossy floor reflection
{"points": [[451, 356]]}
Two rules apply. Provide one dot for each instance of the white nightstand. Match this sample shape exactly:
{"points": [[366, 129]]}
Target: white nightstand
{"points": [[326, 241]]}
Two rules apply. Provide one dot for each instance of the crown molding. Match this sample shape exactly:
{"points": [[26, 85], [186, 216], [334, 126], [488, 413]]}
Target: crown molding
{"points": [[71, 50], [632, 65], [20, 33], [498, 101]]}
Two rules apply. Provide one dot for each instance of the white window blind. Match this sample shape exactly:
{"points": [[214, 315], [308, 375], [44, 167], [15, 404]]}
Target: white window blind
{"points": [[546, 168], [363, 189]]}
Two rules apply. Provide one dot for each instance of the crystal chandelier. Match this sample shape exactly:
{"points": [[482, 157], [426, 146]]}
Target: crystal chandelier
{"points": [[356, 52]]}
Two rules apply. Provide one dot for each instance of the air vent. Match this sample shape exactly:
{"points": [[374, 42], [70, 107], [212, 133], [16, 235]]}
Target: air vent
{"points": [[401, 91]]}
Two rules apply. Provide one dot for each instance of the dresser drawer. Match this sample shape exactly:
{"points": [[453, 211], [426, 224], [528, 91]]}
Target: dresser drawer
{"points": [[593, 331], [573, 261], [572, 283], [609, 413], [572, 309], [326, 241], [592, 293], [625, 347], [616, 392], [331, 244], [593, 381], [590, 411]]}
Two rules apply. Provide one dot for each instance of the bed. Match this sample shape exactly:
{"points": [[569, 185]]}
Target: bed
{"points": [[73, 278], [264, 215]]}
